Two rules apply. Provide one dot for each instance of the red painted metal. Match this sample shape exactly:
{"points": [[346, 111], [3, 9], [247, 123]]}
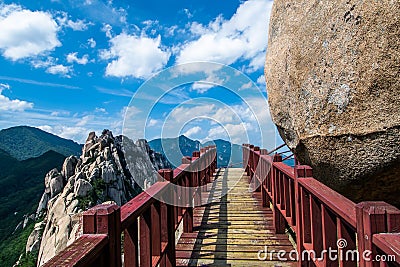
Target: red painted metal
{"points": [[153, 243], [320, 216]]}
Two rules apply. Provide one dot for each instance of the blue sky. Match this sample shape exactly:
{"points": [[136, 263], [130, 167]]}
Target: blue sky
{"points": [[70, 67]]}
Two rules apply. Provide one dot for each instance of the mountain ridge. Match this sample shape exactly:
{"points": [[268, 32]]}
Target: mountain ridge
{"points": [[24, 142], [227, 152], [22, 184]]}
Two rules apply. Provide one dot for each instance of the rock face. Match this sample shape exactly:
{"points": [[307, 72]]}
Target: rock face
{"points": [[101, 174], [333, 79]]}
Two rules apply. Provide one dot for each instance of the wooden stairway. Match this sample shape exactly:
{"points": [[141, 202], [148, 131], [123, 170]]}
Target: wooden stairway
{"points": [[232, 228]]}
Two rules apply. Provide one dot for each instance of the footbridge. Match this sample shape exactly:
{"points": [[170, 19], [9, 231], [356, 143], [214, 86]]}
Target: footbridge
{"points": [[265, 214]]}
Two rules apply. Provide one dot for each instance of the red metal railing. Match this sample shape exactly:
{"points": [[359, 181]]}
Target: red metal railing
{"points": [[322, 218], [148, 223]]}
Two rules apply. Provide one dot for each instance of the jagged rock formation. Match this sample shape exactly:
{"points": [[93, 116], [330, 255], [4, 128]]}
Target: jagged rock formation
{"points": [[101, 174], [333, 79]]}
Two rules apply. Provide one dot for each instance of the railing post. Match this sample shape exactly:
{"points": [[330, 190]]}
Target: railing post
{"points": [[214, 158], [156, 229], [188, 184], [90, 227], [278, 219], [203, 171], [257, 184], [145, 238], [251, 161], [302, 210], [264, 193], [196, 177], [106, 219], [373, 218], [131, 246], [170, 210], [245, 158]]}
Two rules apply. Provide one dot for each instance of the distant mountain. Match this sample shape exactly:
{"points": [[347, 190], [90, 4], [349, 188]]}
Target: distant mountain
{"points": [[172, 145], [23, 142], [169, 147], [228, 154], [21, 184]]}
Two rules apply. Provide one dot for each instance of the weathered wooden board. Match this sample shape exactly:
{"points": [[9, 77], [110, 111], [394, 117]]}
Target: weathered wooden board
{"points": [[231, 229]]}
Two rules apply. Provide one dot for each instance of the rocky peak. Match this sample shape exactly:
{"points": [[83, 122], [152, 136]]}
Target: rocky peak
{"points": [[99, 175]]}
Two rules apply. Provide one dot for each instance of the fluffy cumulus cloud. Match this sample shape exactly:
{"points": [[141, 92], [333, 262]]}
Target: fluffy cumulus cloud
{"points": [[192, 131], [152, 123], [134, 56], [75, 133], [250, 119], [236, 133], [7, 104], [261, 80], [26, 33], [242, 37], [92, 43], [73, 57], [78, 25], [59, 70], [226, 122], [212, 80]]}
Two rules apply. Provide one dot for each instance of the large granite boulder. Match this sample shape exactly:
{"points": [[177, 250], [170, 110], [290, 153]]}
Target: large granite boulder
{"points": [[333, 79]]}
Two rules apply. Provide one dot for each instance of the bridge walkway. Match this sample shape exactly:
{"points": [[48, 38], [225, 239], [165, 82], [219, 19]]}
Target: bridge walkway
{"points": [[232, 228]]}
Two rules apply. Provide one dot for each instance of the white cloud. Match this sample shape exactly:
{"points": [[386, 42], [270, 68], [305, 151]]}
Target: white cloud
{"points": [[60, 113], [170, 31], [6, 104], [117, 92], [209, 82], [246, 86], [233, 132], [242, 37], [202, 87], [188, 13], [108, 30], [152, 123], [92, 43], [26, 81], [4, 86], [192, 131], [101, 110], [73, 57], [261, 80], [138, 57], [43, 63], [26, 33], [79, 25], [59, 70], [78, 134], [85, 120]]}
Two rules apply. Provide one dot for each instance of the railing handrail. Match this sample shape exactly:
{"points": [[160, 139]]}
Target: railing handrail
{"points": [[103, 224], [317, 214]]}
